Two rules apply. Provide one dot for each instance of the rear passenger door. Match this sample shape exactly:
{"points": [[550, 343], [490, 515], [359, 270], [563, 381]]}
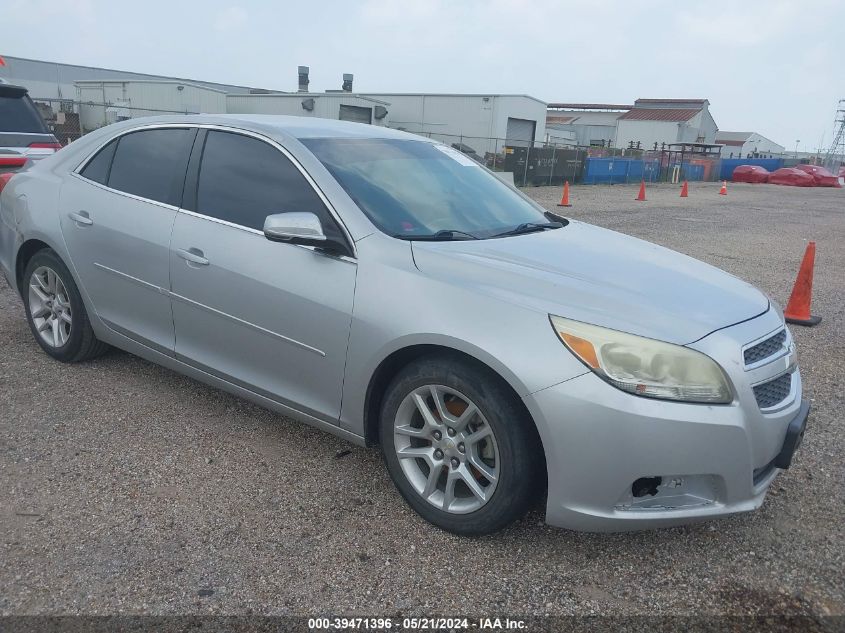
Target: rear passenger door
{"points": [[117, 214], [271, 317]]}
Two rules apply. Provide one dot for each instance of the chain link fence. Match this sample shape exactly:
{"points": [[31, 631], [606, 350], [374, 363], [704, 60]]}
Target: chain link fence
{"points": [[69, 119], [535, 163], [532, 163]]}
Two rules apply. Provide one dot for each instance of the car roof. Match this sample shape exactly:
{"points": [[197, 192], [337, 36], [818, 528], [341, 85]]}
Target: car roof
{"points": [[297, 127]]}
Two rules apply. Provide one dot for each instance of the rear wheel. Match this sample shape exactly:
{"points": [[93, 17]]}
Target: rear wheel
{"points": [[55, 311], [458, 445]]}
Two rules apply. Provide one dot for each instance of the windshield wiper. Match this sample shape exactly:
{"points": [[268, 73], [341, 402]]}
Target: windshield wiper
{"points": [[443, 235], [530, 227]]}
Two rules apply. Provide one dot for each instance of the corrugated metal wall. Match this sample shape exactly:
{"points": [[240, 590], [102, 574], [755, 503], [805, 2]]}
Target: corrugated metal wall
{"points": [[647, 133]]}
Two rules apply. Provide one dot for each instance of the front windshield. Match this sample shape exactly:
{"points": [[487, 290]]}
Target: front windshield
{"points": [[416, 189]]}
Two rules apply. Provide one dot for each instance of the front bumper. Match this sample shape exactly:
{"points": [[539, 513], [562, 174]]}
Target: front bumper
{"points": [[711, 460]]}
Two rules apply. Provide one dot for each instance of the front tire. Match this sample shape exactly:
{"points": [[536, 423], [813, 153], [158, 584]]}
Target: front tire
{"points": [[459, 446], [55, 311]]}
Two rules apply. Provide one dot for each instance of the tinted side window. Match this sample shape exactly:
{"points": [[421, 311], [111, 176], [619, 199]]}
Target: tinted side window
{"points": [[152, 164], [98, 167], [243, 180]]}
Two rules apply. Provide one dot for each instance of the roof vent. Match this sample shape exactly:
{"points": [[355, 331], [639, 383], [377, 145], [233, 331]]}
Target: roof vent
{"points": [[303, 79], [347, 82]]}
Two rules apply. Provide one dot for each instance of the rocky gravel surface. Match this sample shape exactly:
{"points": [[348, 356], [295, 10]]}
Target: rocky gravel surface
{"points": [[125, 487]]}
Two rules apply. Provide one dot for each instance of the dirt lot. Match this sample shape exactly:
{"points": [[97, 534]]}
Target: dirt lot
{"points": [[126, 487]]}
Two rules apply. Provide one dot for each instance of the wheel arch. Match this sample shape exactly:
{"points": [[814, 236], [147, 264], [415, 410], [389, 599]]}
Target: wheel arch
{"points": [[25, 253], [399, 358]]}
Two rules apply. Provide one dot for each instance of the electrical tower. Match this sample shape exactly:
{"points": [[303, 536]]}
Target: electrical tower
{"points": [[836, 153]]}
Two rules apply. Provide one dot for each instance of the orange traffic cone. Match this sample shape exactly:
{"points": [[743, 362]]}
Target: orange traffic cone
{"points": [[724, 190], [798, 308], [564, 201], [641, 195], [685, 190]]}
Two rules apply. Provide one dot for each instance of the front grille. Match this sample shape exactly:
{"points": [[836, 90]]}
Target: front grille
{"points": [[773, 392], [764, 349]]}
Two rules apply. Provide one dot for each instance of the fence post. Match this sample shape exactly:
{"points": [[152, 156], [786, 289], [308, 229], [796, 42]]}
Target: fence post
{"points": [[525, 169], [583, 162]]}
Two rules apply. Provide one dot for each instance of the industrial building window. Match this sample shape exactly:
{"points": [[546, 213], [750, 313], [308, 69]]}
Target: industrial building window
{"points": [[98, 167], [152, 164], [243, 180]]}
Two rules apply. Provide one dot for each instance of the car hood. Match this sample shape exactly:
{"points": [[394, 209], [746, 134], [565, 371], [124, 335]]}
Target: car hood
{"points": [[598, 276]]}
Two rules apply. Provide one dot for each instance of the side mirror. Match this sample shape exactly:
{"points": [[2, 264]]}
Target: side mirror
{"points": [[296, 228], [303, 228]]}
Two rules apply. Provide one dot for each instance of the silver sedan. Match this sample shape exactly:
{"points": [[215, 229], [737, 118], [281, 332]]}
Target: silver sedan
{"points": [[392, 291]]}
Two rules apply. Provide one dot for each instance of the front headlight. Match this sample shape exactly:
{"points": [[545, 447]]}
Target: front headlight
{"points": [[644, 366]]}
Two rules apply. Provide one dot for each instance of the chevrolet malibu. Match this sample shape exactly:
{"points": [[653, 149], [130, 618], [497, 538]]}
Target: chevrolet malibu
{"points": [[392, 291]]}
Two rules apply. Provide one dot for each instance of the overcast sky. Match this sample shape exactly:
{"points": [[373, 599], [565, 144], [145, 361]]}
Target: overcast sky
{"points": [[773, 67]]}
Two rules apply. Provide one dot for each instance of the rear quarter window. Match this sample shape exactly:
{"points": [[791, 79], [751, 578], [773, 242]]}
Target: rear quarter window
{"points": [[98, 167]]}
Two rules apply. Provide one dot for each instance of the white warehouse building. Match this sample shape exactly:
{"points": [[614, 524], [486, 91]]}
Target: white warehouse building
{"points": [[642, 125], [106, 102], [657, 121], [748, 144], [484, 123]]}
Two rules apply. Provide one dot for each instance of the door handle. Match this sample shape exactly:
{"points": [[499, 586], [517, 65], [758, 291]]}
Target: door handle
{"points": [[193, 255], [81, 218]]}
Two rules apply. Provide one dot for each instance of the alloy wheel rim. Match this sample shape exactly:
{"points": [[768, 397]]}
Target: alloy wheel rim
{"points": [[49, 306], [446, 449]]}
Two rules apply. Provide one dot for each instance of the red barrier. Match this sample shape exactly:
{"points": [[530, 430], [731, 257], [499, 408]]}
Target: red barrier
{"points": [[791, 177]]}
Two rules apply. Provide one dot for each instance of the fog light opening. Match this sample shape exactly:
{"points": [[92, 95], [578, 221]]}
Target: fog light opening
{"points": [[645, 486]]}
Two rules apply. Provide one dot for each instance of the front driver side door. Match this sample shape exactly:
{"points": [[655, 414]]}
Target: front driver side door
{"points": [[271, 317]]}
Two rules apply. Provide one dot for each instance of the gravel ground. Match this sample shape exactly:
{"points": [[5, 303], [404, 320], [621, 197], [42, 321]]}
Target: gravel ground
{"points": [[125, 487]]}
